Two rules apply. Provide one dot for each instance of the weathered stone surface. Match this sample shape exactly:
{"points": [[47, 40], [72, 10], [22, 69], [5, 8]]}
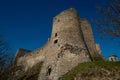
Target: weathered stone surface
{"points": [[20, 52], [89, 39], [67, 47]]}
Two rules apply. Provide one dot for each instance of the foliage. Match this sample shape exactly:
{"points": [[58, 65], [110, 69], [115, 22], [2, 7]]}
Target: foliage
{"points": [[108, 22], [9, 72], [18, 73], [92, 70], [32, 73]]}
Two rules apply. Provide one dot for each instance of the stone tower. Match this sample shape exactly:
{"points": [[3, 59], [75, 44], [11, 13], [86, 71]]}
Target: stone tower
{"points": [[67, 47], [89, 39], [66, 28]]}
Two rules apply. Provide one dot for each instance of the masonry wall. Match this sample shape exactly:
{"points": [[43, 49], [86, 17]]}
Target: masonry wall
{"points": [[70, 44], [98, 49], [66, 26], [89, 38], [69, 49], [20, 53], [34, 57]]}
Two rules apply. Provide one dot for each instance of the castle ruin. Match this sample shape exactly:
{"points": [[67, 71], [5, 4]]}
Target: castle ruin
{"points": [[71, 43]]}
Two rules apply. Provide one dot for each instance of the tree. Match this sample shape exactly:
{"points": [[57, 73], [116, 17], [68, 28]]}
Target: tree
{"points": [[108, 22], [4, 54]]}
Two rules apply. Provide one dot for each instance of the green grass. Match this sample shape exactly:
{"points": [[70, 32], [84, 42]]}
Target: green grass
{"points": [[89, 70]]}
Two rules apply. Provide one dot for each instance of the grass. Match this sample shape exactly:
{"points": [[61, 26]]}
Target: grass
{"points": [[84, 71], [90, 70]]}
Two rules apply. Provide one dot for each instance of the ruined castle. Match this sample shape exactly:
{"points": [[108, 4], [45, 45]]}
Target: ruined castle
{"points": [[71, 43]]}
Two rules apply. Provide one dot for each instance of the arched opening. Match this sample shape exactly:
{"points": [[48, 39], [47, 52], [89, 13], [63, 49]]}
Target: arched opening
{"points": [[49, 70]]}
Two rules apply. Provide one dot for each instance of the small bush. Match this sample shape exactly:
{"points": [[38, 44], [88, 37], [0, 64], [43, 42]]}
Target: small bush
{"points": [[17, 73], [32, 73]]}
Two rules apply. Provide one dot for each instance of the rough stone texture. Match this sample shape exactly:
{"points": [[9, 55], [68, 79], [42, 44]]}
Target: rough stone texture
{"points": [[67, 47], [98, 49], [20, 52], [89, 39], [68, 50]]}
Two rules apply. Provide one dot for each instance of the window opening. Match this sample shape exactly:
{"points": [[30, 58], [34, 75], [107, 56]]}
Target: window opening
{"points": [[55, 34], [58, 20], [111, 59], [56, 41]]}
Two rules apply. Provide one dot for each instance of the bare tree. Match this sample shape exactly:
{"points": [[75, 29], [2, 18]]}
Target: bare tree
{"points": [[4, 54], [108, 22]]}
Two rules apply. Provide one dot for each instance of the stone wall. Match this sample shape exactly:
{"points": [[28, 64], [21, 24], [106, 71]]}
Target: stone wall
{"points": [[66, 26], [71, 43], [20, 53], [69, 49], [89, 39], [32, 58], [98, 49]]}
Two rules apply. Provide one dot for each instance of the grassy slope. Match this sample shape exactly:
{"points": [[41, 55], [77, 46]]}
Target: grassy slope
{"points": [[94, 71], [84, 71]]}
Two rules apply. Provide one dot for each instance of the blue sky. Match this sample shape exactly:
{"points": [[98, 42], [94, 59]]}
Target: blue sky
{"points": [[28, 23]]}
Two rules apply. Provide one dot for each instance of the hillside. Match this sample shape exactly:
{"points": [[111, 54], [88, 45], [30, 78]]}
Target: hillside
{"points": [[94, 71], [84, 71]]}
